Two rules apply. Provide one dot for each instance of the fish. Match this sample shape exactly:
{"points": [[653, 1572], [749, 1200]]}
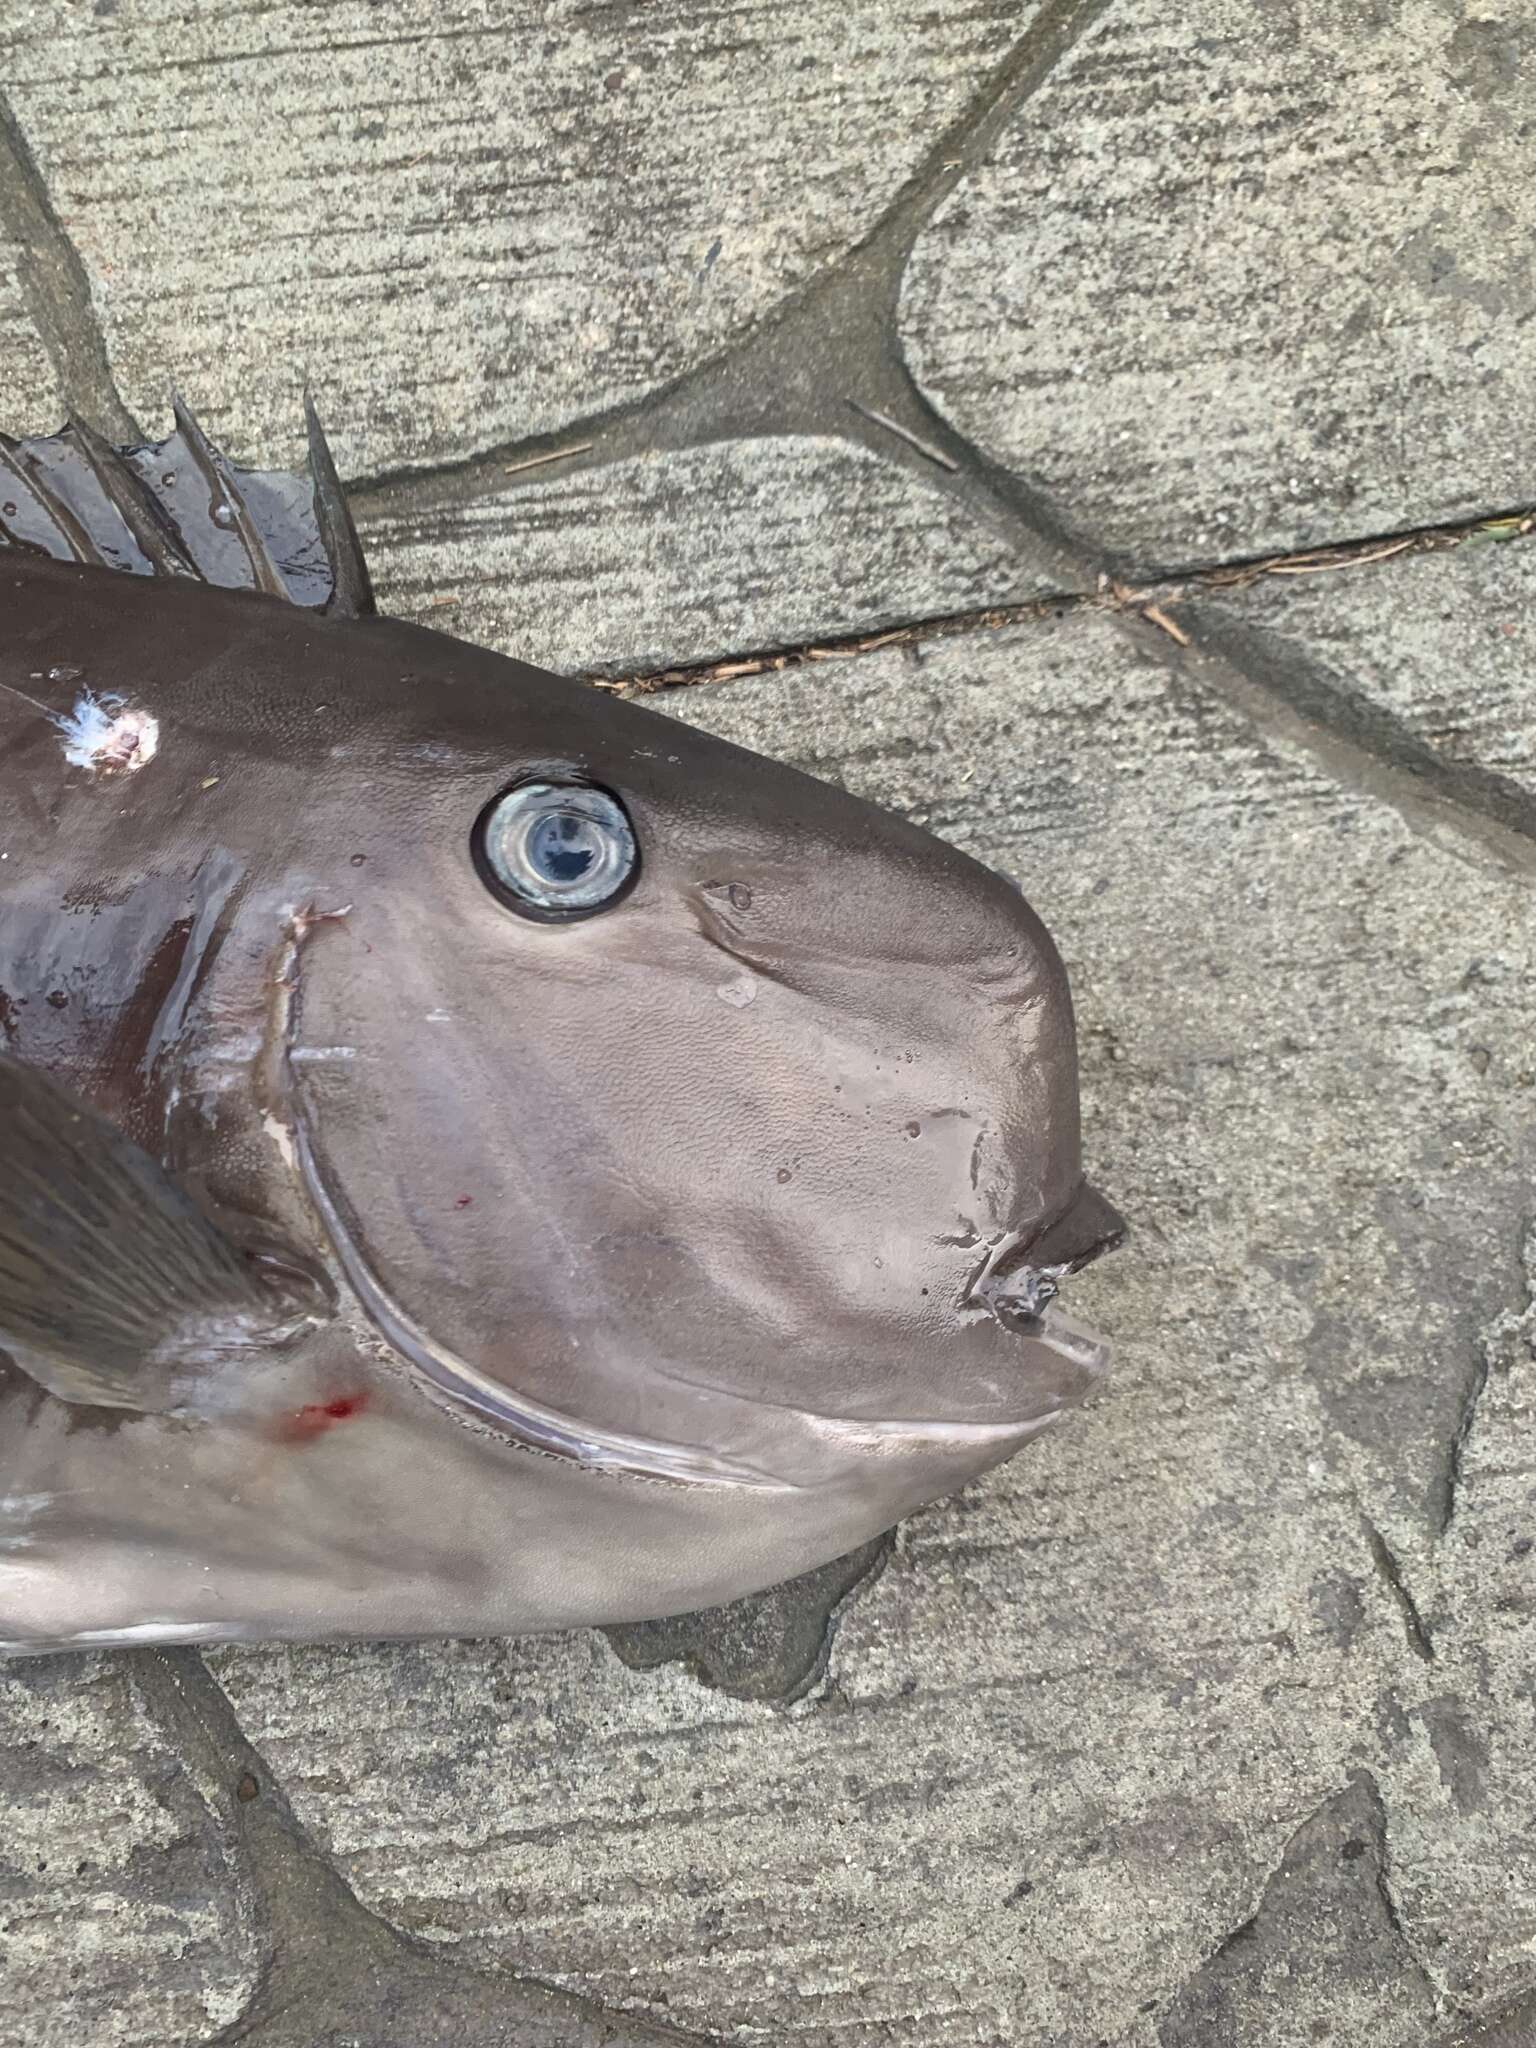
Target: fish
{"points": [[479, 1156]]}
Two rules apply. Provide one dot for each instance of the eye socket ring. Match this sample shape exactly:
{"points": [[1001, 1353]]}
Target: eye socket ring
{"points": [[556, 851]]}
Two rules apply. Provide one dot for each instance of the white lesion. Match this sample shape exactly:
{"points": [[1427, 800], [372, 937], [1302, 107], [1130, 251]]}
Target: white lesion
{"points": [[107, 735]]}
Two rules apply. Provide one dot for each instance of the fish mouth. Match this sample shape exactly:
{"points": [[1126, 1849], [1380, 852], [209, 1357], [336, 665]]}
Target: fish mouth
{"points": [[1022, 1276]]}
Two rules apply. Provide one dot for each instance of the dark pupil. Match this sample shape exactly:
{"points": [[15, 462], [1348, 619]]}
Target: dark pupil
{"points": [[561, 847]]}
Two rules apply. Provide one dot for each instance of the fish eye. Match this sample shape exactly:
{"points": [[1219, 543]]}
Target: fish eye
{"points": [[556, 850]]}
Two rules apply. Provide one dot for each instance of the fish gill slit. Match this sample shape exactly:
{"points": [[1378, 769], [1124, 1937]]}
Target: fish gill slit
{"points": [[530, 1424]]}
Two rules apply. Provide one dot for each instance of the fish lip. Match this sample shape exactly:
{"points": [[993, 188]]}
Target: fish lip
{"points": [[1022, 1275], [1023, 1272]]}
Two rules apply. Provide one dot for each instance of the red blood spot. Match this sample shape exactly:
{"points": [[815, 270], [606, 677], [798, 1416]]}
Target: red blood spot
{"points": [[316, 1417], [463, 1202]]}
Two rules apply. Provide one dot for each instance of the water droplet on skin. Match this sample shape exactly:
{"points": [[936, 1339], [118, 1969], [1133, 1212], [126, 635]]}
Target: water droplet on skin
{"points": [[9, 510], [223, 516], [784, 1175], [168, 477], [738, 993], [358, 859], [57, 998], [913, 1130], [65, 674], [740, 895]]}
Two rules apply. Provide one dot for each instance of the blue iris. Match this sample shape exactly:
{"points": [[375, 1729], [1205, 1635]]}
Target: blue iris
{"points": [[557, 850]]}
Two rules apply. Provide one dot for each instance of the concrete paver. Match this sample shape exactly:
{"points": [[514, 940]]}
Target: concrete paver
{"points": [[1245, 279], [465, 222], [122, 1922], [606, 571], [31, 393]]}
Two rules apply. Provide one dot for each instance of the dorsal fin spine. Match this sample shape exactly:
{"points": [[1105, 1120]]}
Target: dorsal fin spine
{"points": [[74, 497], [24, 466], [351, 587], [219, 477], [140, 510]]}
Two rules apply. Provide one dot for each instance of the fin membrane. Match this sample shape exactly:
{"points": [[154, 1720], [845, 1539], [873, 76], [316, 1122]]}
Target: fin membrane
{"points": [[114, 1284], [178, 507]]}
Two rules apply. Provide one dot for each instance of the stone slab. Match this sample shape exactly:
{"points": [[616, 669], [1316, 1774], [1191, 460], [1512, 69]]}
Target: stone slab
{"points": [[465, 222], [1445, 644], [29, 392], [739, 546], [122, 1925], [1069, 1740], [1240, 279]]}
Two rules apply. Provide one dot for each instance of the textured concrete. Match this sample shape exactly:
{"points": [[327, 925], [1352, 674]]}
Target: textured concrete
{"points": [[603, 572], [1209, 1723], [123, 1923], [1243, 278], [31, 392], [465, 221]]}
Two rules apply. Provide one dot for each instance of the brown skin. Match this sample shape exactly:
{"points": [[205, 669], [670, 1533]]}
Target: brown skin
{"points": [[709, 1176]]}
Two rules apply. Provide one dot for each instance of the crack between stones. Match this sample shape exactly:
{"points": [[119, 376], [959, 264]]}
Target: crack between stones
{"points": [[1249, 1928], [1455, 1450], [760, 383], [57, 289], [1390, 1572], [330, 1962], [1146, 600]]}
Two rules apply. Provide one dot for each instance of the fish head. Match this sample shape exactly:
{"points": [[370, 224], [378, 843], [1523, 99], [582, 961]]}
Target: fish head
{"points": [[675, 1110]]}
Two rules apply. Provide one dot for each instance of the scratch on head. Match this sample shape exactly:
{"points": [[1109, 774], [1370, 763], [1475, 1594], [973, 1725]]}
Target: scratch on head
{"points": [[282, 1004]]}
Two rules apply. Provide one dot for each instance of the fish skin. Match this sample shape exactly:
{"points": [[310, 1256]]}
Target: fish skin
{"points": [[663, 1255]]}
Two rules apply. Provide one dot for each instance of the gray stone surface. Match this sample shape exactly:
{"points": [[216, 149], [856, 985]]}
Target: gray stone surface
{"points": [[1247, 278], [122, 1922], [1324, 1947], [1444, 644], [662, 559], [466, 222], [29, 393], [1210, 1720]]}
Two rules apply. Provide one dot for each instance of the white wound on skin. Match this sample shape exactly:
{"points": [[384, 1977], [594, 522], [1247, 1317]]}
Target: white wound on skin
{"points": [[298, 923], [281, 1135], [104, 734]]}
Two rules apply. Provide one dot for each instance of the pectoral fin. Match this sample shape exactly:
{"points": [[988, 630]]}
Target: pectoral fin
{"points": [[114, 1284]]}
